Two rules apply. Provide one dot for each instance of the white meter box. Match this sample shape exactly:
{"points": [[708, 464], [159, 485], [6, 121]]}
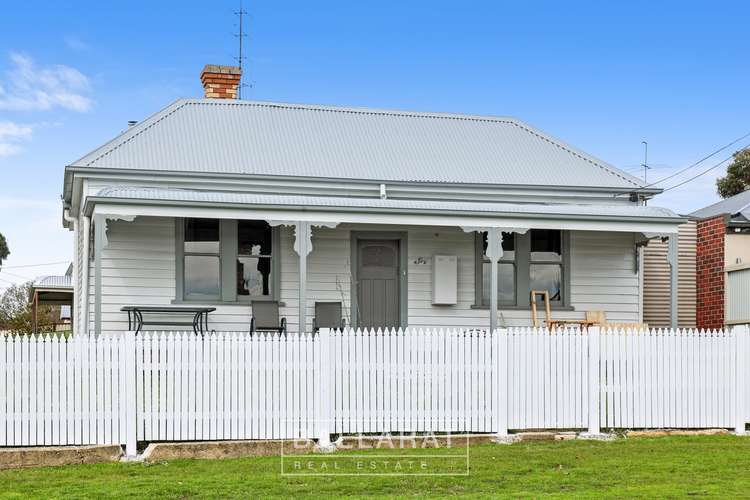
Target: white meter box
{"points": [[444, 280]]}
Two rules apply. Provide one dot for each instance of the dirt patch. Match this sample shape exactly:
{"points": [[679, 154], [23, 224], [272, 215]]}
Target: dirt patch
{"points": [[48, 456], [158, 452], [677, 432]]}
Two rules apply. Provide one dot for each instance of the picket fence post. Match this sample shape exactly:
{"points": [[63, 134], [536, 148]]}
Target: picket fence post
{"points": [[740, 344], [129, 394], [594, 382], [324, 403], [500, 340]]}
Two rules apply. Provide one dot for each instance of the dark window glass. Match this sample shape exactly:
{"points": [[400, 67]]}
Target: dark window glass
{"points": [[202, 236], [254, 238], [254, 254], [546, 245]]}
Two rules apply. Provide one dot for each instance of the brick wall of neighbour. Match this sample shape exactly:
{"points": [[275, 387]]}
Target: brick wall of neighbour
{"points": [[710, 273]]}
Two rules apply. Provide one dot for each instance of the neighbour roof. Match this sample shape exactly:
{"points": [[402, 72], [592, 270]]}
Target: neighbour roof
{"points": [[737, 204], [61, 282], [375, 204], [264, 138]]}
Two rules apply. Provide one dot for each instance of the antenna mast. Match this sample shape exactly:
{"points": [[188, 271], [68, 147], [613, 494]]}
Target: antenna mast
{"points": [[240, 58], [645, 166]]}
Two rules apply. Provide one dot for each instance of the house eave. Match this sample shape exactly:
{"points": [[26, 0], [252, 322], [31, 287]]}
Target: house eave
{"points": [[71, 170]]}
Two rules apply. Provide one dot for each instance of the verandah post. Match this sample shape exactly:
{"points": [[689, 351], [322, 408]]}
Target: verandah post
{"points": [[127, 363], [740, 345], [323, 378], [594, 382]]}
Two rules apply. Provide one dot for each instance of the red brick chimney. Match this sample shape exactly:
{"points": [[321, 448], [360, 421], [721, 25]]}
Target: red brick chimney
{"points": [[221, 82]]}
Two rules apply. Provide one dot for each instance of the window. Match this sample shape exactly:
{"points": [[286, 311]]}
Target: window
{"points": [[545, 267], [536, 260], [506, 270], [202, 259], [226, 260], [254, 254]]}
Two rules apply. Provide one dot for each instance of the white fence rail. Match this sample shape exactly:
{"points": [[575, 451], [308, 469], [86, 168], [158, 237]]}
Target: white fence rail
{"points": [[179, 386]]}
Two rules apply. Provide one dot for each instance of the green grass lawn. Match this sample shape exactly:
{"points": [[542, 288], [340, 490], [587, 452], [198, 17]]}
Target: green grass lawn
{"points": [[669, 466]]}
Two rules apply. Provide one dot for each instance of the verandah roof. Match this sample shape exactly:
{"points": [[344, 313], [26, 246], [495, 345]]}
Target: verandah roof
{"points": [[122, 202]]}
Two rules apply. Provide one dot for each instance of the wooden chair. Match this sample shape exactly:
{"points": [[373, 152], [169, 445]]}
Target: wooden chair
{"points": [[328, 315], [266, 317]]}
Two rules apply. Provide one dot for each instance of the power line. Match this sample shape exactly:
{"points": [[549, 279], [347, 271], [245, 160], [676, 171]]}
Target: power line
{"points": [[3, 271], [36, 265], [717, 165], [714, 153]]}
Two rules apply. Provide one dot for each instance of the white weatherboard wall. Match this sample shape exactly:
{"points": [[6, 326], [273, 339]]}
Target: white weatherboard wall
{"points": [[138, 268]]}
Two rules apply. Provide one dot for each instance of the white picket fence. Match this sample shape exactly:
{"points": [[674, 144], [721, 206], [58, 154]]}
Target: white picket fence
{"points": [[225, 386], [166, 386], [56, 391]]}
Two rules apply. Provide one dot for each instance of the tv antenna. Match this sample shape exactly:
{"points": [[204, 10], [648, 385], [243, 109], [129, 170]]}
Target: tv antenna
{"points": [[240, 36], [645, 166]]}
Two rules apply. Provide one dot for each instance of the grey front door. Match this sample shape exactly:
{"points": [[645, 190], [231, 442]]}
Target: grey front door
{"points": [[378, 287]]}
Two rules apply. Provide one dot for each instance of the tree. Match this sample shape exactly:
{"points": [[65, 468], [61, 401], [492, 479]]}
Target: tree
{"points": [[4, 252], [737, 179], [16, 313]]}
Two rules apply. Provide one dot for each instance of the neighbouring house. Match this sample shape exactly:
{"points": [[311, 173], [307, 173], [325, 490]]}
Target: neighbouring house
{"points": [[723, 262], [407, 219], [53, 291], [657, 270]]}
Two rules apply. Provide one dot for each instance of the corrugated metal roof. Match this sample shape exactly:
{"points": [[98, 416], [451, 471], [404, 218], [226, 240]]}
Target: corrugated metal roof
{"points": [[263, 138], [731, 206], [53, 282], [220, 197]]}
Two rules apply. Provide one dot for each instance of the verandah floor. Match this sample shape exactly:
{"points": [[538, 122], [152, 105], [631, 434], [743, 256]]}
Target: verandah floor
{"points": [[654, 467]]}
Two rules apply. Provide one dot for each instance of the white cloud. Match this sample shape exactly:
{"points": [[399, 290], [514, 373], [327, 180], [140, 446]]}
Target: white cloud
{"points": [[10, 135], [27, 86]]}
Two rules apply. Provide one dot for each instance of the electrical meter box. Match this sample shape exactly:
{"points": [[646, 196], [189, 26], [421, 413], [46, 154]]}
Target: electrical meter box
{"points": [[444, 280]]}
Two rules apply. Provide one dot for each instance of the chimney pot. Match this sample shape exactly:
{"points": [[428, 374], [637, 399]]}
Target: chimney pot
{"points": [[221, 82]]}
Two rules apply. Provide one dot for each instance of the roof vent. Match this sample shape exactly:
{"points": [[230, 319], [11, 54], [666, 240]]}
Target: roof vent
{"points": [[221, 82], [132, 123]]}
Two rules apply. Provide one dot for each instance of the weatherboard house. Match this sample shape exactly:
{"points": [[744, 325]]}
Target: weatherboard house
{"points": [[405, 219]]}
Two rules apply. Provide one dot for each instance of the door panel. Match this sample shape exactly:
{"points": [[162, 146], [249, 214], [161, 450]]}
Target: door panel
{"points": [[378, 287]]}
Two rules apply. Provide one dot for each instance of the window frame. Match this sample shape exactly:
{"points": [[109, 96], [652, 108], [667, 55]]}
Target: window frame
{"points": [[228, 253], [522, 275]]}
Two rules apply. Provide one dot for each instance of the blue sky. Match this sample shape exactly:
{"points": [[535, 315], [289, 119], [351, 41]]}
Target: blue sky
{"points": [[601, 75]]}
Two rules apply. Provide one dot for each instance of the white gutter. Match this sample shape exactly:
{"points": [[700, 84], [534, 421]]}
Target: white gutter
{"points": [[76, 292]]}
